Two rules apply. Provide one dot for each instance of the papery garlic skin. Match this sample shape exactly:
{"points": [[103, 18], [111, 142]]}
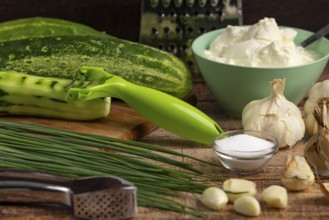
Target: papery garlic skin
{"points": [[297, 175], [316, 151], [318, 92], [275, 115]]}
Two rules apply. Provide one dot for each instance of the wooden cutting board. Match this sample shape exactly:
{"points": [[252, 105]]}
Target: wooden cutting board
{"points": [[122, 122]]}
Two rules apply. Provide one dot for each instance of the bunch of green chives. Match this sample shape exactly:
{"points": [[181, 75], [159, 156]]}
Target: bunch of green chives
{"points": [[73, 154]]}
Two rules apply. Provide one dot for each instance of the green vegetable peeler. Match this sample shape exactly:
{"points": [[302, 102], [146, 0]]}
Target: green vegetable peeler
{"points": [[166, 111]]}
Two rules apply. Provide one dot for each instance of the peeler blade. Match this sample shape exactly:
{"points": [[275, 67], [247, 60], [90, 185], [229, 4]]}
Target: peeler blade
{"points": [[89, 77]]}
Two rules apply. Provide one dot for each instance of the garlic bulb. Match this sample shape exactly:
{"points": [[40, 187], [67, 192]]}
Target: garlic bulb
{"points": [[318, 92], [275, 115], [317, 148]]}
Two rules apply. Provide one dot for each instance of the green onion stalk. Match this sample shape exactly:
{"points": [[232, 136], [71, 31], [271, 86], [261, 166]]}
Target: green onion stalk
{"points": [[157, 177]]}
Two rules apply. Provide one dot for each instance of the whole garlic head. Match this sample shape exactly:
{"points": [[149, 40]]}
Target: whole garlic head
{"points": [[275, 115]]}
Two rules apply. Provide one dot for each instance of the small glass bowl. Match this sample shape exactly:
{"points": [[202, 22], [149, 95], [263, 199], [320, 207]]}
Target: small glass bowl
{"points": [[246, 161]]}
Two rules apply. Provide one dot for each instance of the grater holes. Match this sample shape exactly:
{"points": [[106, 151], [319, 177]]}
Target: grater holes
{"points": [[172, 48], [202, 30], [196, 14], [173, 15], [100, 206], [154, 3], [213, 2], [202, 3], [161, 16], [166, 31], [184, 17], [178, 3], [189, 31], [154, 31], [184, 49], [165, 3], [189, 3], [161, 46], [208, 13], [179, 32], [190, 64]]}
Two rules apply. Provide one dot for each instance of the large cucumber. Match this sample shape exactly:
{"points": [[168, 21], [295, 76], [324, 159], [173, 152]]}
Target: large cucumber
{"points": [[63, 56], [42, 27]]}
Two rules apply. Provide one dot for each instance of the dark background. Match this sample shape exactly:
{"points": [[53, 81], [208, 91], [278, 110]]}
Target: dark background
{"points": [[122, 18]]}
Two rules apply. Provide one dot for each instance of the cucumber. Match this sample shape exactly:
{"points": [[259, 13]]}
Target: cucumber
{"points": [[25, 94], [25, 28], [63, 56]]}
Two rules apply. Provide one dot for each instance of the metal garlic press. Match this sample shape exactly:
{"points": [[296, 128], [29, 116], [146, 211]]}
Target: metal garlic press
{"points": [[171, 25], [99, 198]]}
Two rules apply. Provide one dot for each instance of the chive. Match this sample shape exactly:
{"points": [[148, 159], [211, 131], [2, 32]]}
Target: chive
{"points": [[157, 177]]}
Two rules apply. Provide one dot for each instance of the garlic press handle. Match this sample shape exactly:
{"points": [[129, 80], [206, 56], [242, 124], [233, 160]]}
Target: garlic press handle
{"points": [[28, 192]]}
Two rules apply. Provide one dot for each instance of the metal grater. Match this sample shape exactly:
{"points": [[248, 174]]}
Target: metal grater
{"points": [[171, 25]]}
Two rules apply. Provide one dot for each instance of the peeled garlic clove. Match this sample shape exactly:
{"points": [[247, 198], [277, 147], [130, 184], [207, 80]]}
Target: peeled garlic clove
{"points": [[235, 188], [275, 196], [247, 205], [297, 174], [214, 198]]}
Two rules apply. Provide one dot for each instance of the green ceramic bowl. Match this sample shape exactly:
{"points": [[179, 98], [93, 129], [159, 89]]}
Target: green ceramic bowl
{"points": [[235, 86]]}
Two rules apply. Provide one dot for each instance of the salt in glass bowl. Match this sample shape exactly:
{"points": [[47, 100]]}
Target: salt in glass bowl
{"points": [[243, 157]]}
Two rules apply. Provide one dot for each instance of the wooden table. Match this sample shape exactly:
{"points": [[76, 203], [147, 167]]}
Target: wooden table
{"points": [[309, 204]]}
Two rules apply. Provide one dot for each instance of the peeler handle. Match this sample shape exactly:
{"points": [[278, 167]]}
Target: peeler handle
{"points": [[165, 110], [168, 112], [28, 192]]}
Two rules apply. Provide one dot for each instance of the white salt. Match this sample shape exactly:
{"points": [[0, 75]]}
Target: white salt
{"points": [[244, 145], [244, 153]]}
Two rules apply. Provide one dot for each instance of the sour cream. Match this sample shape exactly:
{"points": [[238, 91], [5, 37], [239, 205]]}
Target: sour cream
{"points": [[263, 44]]}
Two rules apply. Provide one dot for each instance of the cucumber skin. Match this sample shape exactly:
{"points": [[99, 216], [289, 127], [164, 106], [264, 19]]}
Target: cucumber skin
{"points": [[24, 94], [63, 56], [25, 28]]}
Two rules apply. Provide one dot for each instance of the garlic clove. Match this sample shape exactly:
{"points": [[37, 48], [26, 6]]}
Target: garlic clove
{"points": [[275, 196], [247, 205], [236, 188], [297, 174], [214, 198]]}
